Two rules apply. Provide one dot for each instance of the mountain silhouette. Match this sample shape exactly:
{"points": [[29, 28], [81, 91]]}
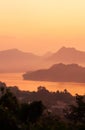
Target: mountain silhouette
{"points": [[14, 60], [67, 56], [58, 73]]}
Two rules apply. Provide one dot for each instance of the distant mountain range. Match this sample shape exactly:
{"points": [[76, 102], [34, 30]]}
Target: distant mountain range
{"points": [[58, 73], [68, 56], [14, 60]]}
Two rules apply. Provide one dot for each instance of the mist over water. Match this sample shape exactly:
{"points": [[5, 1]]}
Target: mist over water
{"points": [[16, 79]]}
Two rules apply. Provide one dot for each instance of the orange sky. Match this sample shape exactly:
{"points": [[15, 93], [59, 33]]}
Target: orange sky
{"points": [[42, 25]]}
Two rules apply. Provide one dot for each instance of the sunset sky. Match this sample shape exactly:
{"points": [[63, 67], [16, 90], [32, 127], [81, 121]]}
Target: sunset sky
{"points": [[42, 25]]}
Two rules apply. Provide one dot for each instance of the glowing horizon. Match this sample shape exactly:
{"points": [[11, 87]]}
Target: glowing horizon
{"points": [[42, 25]]}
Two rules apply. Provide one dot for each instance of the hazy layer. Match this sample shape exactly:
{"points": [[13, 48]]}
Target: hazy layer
{"points": [[41, 25]]}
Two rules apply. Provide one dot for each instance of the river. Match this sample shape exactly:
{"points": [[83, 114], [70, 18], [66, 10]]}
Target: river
{"points": [[16, 79]]}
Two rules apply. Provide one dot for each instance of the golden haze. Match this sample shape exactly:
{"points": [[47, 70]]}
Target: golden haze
{"points": [[41, 25]]}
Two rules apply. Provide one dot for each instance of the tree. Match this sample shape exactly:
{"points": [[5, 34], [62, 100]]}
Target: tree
{"points": [[9, 101], [35, 110], [76, 113], [8, 110], [15, 115]]}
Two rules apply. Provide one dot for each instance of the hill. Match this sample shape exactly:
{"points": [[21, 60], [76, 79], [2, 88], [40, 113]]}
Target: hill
{"points": [[14, 60], [67, 56], [58, 73]]}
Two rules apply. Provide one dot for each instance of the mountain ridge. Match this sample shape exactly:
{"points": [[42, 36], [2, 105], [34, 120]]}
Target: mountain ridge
{"points": [[68, 56], [58, 73], [15, 60]]}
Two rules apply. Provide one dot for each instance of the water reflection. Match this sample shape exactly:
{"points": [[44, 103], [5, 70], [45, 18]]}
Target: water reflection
{"points": [[16, 79]]}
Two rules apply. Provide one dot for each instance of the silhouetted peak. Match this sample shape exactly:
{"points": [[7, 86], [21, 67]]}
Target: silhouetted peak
{"points": [[17, 52], [60, 73], [67, 49], [61, 65], [14, 50], [57, 65], [63, 48], [73, 65]]}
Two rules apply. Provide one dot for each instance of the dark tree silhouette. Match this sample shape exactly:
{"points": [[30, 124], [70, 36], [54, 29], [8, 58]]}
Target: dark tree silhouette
{"points": [[76, 113], [15, 115]]}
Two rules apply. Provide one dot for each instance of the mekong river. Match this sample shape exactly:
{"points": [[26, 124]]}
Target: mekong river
{"points": [[16, 79]]}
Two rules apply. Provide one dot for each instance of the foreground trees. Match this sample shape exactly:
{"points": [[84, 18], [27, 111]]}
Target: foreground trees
{"points": [[17, 116], [76, 113], [29, 116]]}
